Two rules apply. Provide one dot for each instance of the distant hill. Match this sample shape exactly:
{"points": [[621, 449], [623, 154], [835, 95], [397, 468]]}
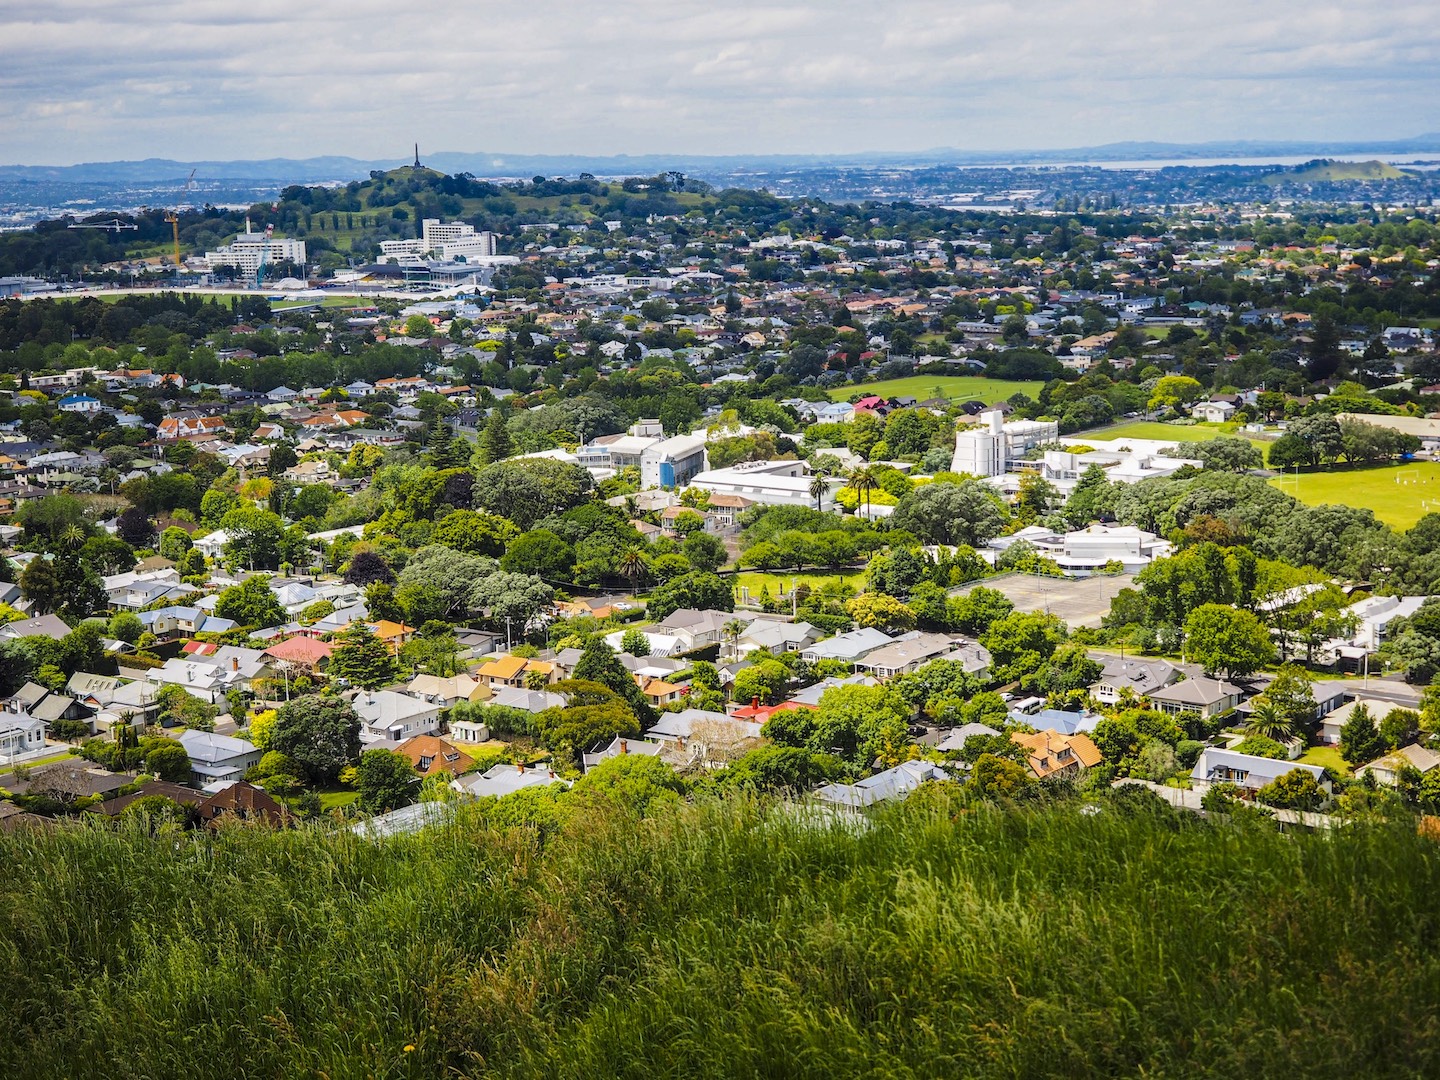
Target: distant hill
{"points": [[1326, 171]]}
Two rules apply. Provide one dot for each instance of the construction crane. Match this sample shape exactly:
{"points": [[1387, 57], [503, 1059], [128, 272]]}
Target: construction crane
{"points": [[113, 226], [174, 220]]}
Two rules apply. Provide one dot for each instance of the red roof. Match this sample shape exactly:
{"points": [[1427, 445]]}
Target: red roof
{"points": [[301, 650]]}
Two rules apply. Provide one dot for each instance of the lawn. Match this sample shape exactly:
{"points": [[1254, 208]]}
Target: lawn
{"points": [[329, 800], [1400, 494], [1327, 757], [951, 387], [756, 581], [1147, 429]]}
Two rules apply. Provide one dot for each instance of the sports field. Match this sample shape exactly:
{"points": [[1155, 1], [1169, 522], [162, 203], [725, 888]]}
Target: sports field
{"points": [[952, 387], [754, 582], [1147, 429], [1399, 494]]}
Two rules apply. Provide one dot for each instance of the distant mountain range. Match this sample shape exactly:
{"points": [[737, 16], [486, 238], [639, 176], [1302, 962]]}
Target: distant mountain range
{"points": [[320, 169]]}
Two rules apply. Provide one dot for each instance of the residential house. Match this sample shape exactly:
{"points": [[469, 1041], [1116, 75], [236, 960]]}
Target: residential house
{"points": [[515, 671], [1250, 773], [1049, 753], [1208, 697], [447, 691], [621, 745], [241, 801], [847, 647], [1122, 676], [216, 758], [307, 653], [504, 779], [777, 637], [957, 738], [387, 716], [21, 736], [1386, 770], [1335, 718], [911, 652], [189, 427], [430, 754], [891, 784]]}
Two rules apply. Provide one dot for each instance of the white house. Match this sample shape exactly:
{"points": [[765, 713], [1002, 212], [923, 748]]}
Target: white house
{"points": [[386, 716], [218, 757], [1251, 773]]}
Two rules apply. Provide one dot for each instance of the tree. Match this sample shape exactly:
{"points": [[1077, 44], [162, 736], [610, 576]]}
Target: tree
{"points": [[1021, 642], [638, 782], [1360, 739], [881, 611], [1292, 694], [512, 598], [367, 567], [385, 781], [599, 664], [1227, 639], [996, 778], [1172, 391], [529, 489], [695, 590], [135, 527], [1295, 790], [776, 768], [969, 513], [174, 543], [254, 537], [41, 585], [863, 482], [495, 443], [705, 551], [767, 682], [168, 761], [542, 553], [320, 733], [635, 643], [126, 626], [251, 604], [1225, 453], [475, 533], [862, 724], [362, 659], [1268, 722], [452, 574]]}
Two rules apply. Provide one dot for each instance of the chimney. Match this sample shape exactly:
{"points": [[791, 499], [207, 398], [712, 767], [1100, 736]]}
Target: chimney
{"points": [[681, 742], [520, 767], [624, 748], [755, 702], [234, 663], [552, 774]]}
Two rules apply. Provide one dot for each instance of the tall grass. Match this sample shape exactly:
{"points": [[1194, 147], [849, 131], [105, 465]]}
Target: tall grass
{"points": [[725, 939]]}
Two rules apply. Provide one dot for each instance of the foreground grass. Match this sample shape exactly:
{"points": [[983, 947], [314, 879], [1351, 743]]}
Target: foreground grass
{"points": [[1400, 494], [759, 580], [952, 387], [725, 939]]}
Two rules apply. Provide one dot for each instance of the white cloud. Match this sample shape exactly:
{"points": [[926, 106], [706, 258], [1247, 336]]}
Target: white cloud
{"points": [[91, 79]]}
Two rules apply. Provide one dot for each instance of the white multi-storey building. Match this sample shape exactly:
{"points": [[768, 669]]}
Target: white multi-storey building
{"points": [[447, 240], [988, 449], [251, 250]]}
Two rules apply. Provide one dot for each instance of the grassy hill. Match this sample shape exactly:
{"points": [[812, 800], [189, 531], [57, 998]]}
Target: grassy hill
{"points": [[725, 939], [1325, 171]]}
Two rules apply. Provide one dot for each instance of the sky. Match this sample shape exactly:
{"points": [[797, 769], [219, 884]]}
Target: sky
{"points": [[96, 80]]}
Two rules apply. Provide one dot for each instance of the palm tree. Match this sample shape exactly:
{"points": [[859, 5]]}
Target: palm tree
{"points": [[818, 487], [633, 565], [732, 629], [864, 482], [1269, 722]]}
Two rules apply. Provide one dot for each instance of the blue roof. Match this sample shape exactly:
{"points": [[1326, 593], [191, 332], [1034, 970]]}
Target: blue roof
{"points": [[1061, 720]]}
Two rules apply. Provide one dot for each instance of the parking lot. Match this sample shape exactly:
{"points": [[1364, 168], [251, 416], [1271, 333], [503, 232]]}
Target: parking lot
{"points": [[1079, 601]]}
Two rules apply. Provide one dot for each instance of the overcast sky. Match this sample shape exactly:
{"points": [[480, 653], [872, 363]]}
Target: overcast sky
{"points": [[90, 80]]}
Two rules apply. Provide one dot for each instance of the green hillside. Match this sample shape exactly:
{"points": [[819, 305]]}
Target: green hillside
{"points": [[724, 939], [1324, 171]]}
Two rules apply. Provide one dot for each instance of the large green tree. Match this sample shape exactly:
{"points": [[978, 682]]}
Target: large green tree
{"points": [[319, 732], [1226, 639]]}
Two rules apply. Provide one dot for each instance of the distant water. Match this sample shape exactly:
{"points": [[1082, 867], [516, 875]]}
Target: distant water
{"points": [[1427, 161]]}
